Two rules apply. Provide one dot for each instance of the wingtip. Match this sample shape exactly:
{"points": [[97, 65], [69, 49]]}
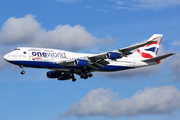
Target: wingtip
{"points": [[172, 53]]}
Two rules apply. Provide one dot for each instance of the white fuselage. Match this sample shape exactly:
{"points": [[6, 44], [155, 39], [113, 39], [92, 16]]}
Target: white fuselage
{"points": [[48, 58]]}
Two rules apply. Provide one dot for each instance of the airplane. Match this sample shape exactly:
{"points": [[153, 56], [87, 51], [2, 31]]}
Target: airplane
{"points": [[64, 64]]}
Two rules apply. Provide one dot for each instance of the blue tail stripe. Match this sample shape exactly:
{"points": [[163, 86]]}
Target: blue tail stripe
{"points": [[151, 49], [157, 50]]}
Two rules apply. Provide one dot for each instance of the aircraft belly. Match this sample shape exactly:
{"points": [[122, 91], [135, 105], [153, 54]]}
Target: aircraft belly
{"points": [[114, 68], [117, 66], [41, 64], [52, 65]]}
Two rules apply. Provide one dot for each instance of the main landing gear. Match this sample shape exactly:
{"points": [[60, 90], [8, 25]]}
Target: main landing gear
{"points": [[85, 76], [73, 78], [22, 72]]}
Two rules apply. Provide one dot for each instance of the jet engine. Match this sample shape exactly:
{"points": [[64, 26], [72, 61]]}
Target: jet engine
{"points": [[80, 62], [53, 74], [58, 75], [114, 55], [64, 77]]}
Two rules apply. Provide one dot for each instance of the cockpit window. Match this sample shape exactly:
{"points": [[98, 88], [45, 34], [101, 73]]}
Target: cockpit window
{"points": [[17, 49]]}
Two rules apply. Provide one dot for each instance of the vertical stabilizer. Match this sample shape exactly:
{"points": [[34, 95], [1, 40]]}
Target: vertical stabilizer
{"points": [[149, 50]]}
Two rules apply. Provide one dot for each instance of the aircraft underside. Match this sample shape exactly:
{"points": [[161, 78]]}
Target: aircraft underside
{"points": [[66, 72]]}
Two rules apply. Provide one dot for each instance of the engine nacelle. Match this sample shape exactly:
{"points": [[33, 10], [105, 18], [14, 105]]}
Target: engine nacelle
{"points": [[80, 62], [64, 77], [58, 75], [53, 74], [114, 55]]}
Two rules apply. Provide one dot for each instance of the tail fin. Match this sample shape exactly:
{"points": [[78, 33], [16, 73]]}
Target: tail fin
{"points": [[149, 50]]}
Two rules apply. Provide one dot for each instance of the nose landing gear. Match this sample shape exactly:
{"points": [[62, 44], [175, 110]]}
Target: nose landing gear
{"points": [[22, 72]]}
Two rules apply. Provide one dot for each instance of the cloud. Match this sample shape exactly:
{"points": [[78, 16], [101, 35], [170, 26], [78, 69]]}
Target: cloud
{"points": [[105, 102], [27, 31], [175, 66], [175, 63], [69, 1], [120, 2], [176, 43], [145, 4], [19, 30], [155, 4]]}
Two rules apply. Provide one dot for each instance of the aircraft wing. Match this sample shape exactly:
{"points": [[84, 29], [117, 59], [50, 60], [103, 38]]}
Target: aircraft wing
{"points": [[133, 47], [79, 62], [99, 60], [123, 51]]}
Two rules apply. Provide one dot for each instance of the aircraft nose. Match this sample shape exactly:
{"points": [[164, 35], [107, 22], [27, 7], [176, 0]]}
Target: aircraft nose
{"points": [[5, 57]]}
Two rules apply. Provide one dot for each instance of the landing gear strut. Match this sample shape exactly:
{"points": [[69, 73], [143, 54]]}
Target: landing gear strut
{"points": [[22, 72], [73, 78]]}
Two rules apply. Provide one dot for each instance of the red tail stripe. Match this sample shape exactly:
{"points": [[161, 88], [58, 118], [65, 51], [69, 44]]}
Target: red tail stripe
{"points": [[144, 55], [157, 42], [154, 38], [152, 43]]}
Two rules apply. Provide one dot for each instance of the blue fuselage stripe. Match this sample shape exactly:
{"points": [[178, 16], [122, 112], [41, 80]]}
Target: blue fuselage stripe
{"points": [[40, 64]]}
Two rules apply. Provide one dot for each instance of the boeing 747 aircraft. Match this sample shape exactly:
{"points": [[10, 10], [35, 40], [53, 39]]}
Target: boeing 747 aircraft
{"points": [[64, 64]]}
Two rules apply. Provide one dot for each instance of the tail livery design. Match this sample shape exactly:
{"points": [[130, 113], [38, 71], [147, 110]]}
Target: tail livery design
{"points": [[150, 50]]}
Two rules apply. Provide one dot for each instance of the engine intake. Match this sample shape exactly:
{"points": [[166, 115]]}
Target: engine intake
{"points": [[114, 55], [53, 74], [80, 62], [58, 75]]}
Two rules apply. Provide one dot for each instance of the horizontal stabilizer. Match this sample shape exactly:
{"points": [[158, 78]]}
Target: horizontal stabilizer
{"points": [[158, 58]]}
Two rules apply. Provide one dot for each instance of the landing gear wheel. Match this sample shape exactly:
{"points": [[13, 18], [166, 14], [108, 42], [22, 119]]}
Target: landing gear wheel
{"points": [[73, 79], [85, 77], [90, 75], [82, 76], [22, 72]]}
